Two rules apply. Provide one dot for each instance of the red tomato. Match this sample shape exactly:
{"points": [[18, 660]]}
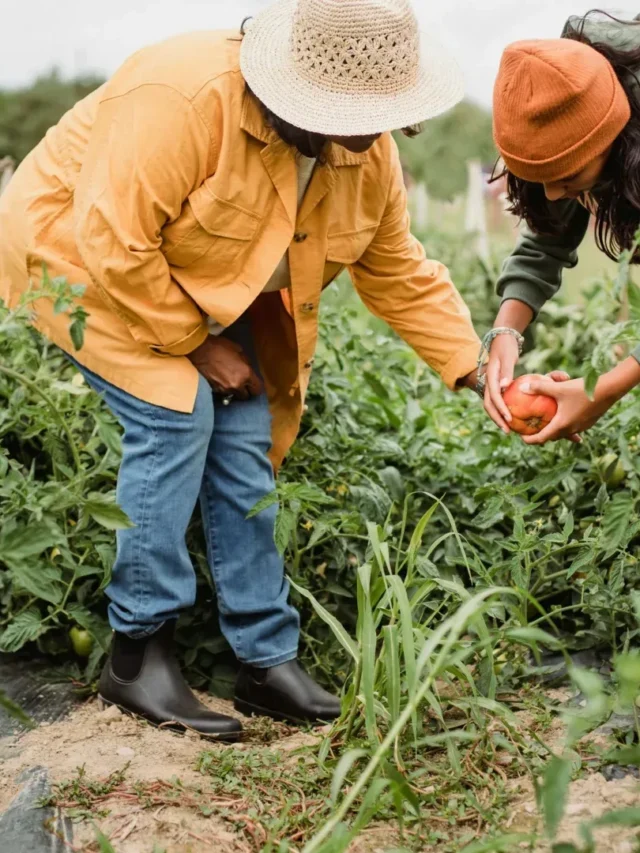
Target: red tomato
{"points": [[531, 413]]}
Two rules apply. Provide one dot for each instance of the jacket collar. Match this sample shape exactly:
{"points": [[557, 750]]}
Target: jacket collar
{"points": [[253, 122]]}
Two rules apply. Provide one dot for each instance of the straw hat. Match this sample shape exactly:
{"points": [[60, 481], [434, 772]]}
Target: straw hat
{"points": [[347, 67]]}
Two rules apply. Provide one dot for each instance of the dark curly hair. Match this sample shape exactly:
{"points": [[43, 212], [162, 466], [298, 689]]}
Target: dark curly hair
{"points": [[617, 193]]}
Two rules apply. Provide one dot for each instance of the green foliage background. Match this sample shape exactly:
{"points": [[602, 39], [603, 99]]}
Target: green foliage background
{"points": [[27, 113], [438, 156]]}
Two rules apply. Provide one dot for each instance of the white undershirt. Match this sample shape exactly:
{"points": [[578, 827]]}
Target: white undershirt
{"points": [[281, 277]]}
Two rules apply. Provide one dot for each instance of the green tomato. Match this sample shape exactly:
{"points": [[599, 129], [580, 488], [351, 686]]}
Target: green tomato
{"points": [[555, 500], [82, 641], [611, 470]]}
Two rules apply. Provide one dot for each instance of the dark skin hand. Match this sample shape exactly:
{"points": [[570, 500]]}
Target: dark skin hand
{"points": [[226, 368]]}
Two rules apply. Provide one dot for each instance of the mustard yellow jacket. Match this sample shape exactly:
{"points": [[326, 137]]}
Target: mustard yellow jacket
{"points": [[167, 195]]}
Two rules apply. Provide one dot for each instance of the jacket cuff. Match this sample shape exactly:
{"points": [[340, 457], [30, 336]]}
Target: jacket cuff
{"points": [[461, 365], [524, 292], [186, 345], [636, 354]]}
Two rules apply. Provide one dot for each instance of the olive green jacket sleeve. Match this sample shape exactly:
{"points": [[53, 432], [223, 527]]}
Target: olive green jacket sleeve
{"points": [[533, 272]]}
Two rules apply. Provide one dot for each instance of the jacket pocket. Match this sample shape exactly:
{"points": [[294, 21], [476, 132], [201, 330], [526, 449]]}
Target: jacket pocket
{"points": [[209, 225], [347, 247]]}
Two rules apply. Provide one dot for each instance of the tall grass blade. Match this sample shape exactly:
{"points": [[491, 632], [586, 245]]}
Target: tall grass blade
{"points": [[392, 660], [367, 639], [339, 632], [445, 636], [342, 771]]}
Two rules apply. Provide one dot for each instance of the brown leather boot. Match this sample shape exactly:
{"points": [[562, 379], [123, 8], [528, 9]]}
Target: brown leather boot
{"points": [[284, 693], [142, 677]]}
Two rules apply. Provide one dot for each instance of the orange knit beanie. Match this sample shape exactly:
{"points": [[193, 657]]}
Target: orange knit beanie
{"points": [[557, 105]]}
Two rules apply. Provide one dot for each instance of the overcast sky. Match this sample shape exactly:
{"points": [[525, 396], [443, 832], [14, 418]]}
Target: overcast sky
{"points": [[82, 35]]}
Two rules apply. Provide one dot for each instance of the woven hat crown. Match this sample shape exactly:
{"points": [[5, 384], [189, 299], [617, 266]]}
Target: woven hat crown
{"points": [[356, 46]]}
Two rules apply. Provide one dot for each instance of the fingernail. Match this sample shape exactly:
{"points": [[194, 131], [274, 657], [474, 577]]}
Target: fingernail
{"points": [[526, 387]]}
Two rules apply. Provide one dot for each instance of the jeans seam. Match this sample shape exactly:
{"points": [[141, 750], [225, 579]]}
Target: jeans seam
{"points": [[137, 567], [215, 560]]}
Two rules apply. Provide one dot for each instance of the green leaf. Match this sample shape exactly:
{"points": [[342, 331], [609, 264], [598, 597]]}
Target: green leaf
{"points": [[616, 522], [418, 534], [602, 499], [376, 384], [501, 844], [633, 293], [97, 627], [619, 817], [371, 804], [110, 434], [583, 561], [284, 529], [76, 333], [627, 755], [14, 710], [263, 503], [531, 636], [39, 580], [338, 631], [104, 845], [22, 542], [61, 304], [392, 660], [24, 628], [553, 793], [491, 514], [550, 479], [393, 483], [590, 381], [367, 640], [107, 513], [373, 502], [402, 787], [343, 768]]}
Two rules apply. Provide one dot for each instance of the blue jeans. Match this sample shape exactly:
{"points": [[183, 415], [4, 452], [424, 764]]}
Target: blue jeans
{"points": [[219, 454]]}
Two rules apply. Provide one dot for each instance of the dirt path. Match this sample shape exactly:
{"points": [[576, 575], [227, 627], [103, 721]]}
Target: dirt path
{"points": [[105, 742]]}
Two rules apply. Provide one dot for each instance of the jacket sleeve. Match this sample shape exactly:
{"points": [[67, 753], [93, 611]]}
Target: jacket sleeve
{"points": [[414, 295], [533, 272], [147, 153]]}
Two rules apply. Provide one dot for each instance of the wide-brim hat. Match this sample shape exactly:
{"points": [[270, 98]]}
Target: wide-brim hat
{"points": [[348, 67]]}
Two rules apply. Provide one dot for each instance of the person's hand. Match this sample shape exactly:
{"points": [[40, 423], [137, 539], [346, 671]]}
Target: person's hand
{"points": [[503, 358], [576, 412], [226, 368]]}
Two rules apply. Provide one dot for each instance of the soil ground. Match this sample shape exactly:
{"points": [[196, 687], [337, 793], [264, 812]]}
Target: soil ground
{"points": [[104, 741]]}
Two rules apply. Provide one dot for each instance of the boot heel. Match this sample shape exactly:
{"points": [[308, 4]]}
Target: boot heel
{"points": [[245, 708]]}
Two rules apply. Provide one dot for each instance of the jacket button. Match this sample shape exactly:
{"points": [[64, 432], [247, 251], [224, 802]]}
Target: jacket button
{"points": [[308, 307], [300, 236], [309, 364]]}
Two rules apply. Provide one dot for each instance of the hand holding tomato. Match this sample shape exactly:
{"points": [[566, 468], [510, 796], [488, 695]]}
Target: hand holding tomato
{"points": [[529, 414], [575, 412], [503, 359]]}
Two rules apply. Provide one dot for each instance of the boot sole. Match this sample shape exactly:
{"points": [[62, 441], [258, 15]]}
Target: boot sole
{"points": [[173, 725], [251, 710]]}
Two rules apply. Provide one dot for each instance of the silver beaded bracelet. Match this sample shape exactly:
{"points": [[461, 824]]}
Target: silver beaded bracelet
{"points": [[485, 349]]}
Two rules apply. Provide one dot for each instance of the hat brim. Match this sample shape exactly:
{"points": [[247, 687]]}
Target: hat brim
{"points": [[268, 68]]}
